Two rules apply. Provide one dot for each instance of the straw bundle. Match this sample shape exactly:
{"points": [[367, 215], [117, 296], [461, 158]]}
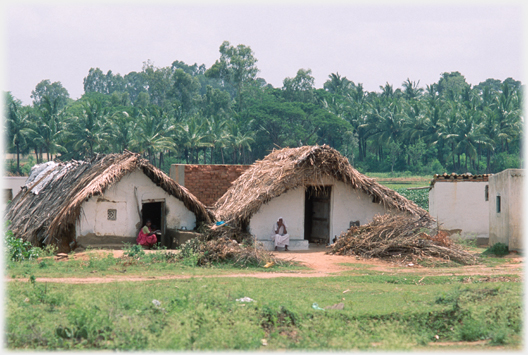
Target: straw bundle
{"points": [[290, 168], [48, 207], [401, 236]]}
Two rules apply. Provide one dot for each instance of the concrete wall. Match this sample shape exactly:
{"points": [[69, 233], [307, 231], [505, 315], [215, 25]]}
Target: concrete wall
{"points": [[121, 197], [13, 183], [461, 205], [207, 182], [346, 205], [289, 206], [506, 226]]}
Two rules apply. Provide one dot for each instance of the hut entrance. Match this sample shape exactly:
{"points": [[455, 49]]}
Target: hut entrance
{"points": [[317, 214], [155, 211]]}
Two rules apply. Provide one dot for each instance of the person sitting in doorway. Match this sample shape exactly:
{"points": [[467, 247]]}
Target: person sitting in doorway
{"points": [[280, 236], [147, 237]]}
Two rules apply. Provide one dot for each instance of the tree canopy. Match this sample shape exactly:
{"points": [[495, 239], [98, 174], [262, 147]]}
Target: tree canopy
{"points": [[188, 113]]}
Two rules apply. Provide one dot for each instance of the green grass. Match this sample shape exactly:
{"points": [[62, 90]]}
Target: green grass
{"points": [[382, 312], [151, 264]]}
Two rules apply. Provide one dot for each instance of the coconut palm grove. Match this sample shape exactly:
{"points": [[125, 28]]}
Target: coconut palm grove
{"points": [[227, 114]]}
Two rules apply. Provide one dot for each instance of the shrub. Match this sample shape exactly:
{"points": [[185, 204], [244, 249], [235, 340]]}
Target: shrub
{"points": [[18, 249], [133, 251], [498, 249]]}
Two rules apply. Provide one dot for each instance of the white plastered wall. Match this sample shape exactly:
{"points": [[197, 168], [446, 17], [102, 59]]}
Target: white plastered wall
{"points": [[461, 205], [346, 205], [289, 206], [506, 226], [14, 183], [121, 197]]}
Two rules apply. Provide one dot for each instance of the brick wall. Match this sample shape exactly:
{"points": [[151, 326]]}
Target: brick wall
{"points": [[207, 182]]}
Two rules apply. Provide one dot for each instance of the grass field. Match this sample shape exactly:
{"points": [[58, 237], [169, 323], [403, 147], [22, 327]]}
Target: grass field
{"points": [[397, 311], [400, 311]]}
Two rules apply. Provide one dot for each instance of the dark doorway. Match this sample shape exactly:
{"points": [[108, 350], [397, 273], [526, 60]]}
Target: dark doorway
{"points": [[155, 211], [317, 214]]}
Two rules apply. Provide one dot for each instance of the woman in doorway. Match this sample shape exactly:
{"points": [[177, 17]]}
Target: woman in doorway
{"points": [[147, 237]]}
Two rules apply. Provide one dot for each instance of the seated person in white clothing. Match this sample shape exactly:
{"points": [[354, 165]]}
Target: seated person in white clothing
{"points": [[280, 235]]}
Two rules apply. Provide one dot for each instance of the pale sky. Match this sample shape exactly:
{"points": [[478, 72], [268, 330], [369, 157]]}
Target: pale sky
{"points": [[369, 44]]}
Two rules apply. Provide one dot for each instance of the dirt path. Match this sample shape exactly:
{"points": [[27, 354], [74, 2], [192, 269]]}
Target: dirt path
{"points": [[319, 264]]}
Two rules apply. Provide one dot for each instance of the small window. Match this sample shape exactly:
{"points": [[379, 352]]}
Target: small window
{"points": [[498, 204], [486, 193], [112, 215]]}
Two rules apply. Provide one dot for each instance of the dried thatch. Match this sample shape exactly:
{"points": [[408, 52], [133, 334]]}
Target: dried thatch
{"points": [[403, 237], [289, 168], [50, 203]]}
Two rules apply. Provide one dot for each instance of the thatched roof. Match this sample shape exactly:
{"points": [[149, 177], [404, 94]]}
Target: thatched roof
{"points": [[289, 168], [50, 202]]}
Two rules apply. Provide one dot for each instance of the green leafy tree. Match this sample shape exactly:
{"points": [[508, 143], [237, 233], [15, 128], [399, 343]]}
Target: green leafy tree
{"points": [[185, 90], [236, 67], [300, 88], [54, 92]]}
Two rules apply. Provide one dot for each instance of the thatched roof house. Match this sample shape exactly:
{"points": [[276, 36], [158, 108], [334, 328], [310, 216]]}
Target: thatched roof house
{"points": [[107, 196], [314, 188]]}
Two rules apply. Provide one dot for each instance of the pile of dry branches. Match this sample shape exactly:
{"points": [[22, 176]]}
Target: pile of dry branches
{"points": [[399, 237], [224, 249], [226, 243], [226, 232]]}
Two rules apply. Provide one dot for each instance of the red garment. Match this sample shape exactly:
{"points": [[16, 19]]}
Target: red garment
{"points": [[146, 240]]}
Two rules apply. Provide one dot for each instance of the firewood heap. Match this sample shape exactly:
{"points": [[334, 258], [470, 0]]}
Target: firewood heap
{"points": [[402, 238], [227, 243]]}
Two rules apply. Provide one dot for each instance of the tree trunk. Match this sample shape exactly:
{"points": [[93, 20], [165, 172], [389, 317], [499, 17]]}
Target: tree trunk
{"points": [[18, 158]]}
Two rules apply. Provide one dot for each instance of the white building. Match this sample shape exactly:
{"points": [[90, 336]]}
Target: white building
{"points": [[461, 202], [11, 186], [101, 202], [315, 190], [506, 208]]}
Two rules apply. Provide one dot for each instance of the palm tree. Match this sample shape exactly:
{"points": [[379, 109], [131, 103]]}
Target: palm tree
{"points": [[48, 127], [19, 130], [121, 129], [239, 140], [411, 90], [154, 130], [88, 130], [507, 111], [387, 91], [338, 85], [216, 132], [193, 136], [384, 123]]}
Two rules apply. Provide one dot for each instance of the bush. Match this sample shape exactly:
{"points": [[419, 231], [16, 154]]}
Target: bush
{"points": [[498, 249], [17, 249], [133, 251]]}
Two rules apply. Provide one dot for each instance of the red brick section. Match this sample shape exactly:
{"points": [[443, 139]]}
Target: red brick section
{"points": [[209, 182]]}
